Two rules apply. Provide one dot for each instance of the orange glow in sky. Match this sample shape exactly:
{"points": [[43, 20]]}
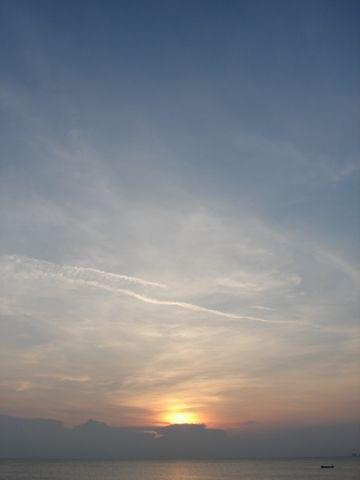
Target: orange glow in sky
{"points": [[178, 417]]}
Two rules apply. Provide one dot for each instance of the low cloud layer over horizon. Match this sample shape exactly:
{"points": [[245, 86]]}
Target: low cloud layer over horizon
{"points": [[45, 438], [179, 213]]}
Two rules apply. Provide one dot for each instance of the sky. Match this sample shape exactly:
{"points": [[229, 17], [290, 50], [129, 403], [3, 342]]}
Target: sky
{"points": [[179, 219]]}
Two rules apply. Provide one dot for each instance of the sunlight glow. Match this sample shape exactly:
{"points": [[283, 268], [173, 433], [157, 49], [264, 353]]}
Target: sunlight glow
{"points": [[182, 417]]}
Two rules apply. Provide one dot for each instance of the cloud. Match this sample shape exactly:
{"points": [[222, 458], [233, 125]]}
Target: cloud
{"points": [[192, 345], [176, 241], [35, 269], [46, 438]]}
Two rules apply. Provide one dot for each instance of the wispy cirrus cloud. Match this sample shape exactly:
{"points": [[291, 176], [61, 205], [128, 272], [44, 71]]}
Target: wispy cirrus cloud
{"points": [[175, 239]]}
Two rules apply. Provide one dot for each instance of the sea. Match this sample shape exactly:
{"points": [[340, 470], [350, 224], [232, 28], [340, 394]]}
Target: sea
{"points": [[262, 469]]}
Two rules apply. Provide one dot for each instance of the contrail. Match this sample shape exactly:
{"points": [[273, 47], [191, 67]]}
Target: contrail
{"points": [[78, 273], [187, 306], [104, 280]]}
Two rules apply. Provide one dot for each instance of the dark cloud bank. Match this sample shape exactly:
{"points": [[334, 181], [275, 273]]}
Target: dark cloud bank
{"points": [[29, 438]]}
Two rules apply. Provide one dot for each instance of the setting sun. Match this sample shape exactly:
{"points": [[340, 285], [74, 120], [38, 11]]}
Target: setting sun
{"points": [[182, 417]]}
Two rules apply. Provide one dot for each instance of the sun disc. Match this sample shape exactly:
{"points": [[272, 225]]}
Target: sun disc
{"points": [[182, 418]]}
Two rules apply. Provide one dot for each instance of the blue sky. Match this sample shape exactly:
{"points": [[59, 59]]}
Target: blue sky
{"points": [[202, 159]]}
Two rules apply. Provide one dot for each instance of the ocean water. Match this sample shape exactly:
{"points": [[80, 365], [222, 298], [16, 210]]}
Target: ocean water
{"points": [[284, 469]]}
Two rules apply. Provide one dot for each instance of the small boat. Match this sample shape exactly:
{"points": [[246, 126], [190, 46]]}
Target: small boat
{"points": [[327, 466]]}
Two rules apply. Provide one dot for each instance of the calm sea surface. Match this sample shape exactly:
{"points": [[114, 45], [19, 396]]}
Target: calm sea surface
{"points": [[296, 469]]}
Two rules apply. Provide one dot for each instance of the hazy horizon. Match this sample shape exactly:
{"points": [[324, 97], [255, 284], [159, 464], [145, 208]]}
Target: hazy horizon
{"points": [[179, 216]]}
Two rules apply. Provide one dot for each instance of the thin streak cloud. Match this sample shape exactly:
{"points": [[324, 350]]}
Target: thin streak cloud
{"points": [[97, 278], [75, 272]]}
